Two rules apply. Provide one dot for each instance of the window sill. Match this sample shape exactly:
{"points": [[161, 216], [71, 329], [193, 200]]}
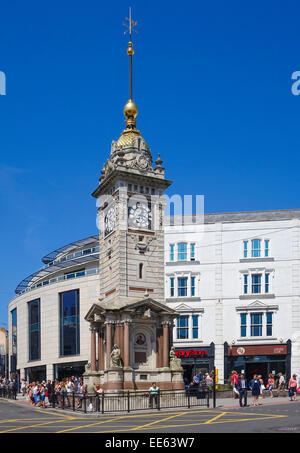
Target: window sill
{"points": [[257, 295], [175, 263], [187, 341], [251, 260], [248, 339], [183, 298]]}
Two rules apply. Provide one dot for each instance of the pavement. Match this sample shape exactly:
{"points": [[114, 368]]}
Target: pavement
{"points": [[280, 415]]}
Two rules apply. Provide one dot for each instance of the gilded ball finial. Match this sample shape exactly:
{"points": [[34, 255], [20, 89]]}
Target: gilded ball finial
{"points": [[130, 110]]}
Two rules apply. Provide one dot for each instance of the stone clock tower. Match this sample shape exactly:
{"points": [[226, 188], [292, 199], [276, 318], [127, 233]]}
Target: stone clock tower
{"points": [[131, 326]]}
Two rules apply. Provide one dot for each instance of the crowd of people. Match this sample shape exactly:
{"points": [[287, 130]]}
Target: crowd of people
{"points": [[43, 394], [198, 378], [241, 385]]}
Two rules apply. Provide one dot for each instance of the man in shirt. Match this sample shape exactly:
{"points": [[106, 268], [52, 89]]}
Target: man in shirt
{"points": [[153, 394], [242, 387], [281, 381]]}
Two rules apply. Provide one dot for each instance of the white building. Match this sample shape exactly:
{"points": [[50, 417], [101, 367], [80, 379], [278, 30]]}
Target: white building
{"points": [[234, 279]]}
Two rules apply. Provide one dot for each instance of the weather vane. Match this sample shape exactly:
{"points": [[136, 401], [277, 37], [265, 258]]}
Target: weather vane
{"points": [[130, 26]]}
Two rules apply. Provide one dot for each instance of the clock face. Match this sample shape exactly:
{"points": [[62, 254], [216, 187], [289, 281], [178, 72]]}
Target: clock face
{"points": [[110, 220], [140, 215]]}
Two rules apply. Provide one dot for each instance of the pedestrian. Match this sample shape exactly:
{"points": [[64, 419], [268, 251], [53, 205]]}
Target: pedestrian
{"points": [[255, 388], [241, 388], [23, 387], [271, 384], [234, 381], [281, 382], [262, 386], [153, 394], [293, 387]]}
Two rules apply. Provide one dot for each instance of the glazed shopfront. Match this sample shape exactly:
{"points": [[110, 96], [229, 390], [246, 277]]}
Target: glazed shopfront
{"points": [[195, 359], [258, 359]]}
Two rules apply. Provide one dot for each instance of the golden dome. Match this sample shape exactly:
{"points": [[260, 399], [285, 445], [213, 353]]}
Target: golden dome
{"points": [[130, 110], [128, 138]]}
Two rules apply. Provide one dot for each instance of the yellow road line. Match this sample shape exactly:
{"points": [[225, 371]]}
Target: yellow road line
{"points": [[158, 421], [31, 426], [215, 418], [196, 424], [92, 424]]}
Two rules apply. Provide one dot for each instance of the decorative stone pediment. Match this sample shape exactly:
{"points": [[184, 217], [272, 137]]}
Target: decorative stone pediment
{"points": [[257, 305]]}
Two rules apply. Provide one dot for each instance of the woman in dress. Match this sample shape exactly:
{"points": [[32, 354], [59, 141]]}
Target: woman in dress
{"points": [[293, 387], [255, 388]]}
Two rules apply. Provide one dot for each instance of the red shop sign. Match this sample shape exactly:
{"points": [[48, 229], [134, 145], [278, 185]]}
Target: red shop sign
{"points": [[190, 352]]}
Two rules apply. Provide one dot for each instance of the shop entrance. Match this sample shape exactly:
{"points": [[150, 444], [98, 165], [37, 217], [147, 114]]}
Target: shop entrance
{"points": [[189, 371], [259, 368]]}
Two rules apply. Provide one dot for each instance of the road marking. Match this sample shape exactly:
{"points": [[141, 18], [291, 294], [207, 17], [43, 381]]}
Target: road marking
{"points": [[92, 424], [32, 426], [215, 418], [158, 421]]}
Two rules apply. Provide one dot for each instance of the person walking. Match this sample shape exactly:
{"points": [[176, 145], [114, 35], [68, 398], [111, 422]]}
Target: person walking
{"points": [[242, 387], [234, 381], [255, 389], [262, 386], [271, 384], [23, 387], [293, 387], [281, 382]]}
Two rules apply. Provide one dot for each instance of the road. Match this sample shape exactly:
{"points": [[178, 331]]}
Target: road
{"points": [[284, 417]]}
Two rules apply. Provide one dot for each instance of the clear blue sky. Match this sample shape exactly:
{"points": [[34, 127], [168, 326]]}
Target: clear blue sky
{"points": [[212, 81]]}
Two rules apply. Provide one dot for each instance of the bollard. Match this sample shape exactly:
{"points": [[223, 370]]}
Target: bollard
{"points": [[128, 401], [102, 401]]}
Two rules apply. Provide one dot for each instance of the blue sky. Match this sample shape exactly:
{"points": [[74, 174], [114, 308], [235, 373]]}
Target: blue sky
{"points": [[212, 81]]}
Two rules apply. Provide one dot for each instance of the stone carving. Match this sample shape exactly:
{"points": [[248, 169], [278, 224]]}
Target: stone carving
{"points": [[175, 362], [88, 367], [115, 357]]}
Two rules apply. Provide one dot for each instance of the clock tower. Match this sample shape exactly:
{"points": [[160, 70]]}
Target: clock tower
{"points": [[131, 319]]}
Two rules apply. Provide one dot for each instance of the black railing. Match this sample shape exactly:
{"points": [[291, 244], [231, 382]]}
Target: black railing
{"points": [[129, 401], [6, 392]]}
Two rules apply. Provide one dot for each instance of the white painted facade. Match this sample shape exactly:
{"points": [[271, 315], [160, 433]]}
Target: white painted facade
{"points": [[218, 268]]}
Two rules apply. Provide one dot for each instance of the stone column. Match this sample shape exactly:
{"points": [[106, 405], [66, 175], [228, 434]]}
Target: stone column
{"points": [[165, 344], [93, 348], [100, 350], [159, 347], [108, 343], [126, 357]]}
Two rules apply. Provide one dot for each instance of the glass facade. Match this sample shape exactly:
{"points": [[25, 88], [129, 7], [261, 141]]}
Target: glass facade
{"points": [[69, 323], [13, 357], [34, 329]]}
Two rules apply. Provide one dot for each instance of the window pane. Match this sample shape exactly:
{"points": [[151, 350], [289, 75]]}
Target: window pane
{"points": [[243, 331], [171, 252], [267, 248], [256, 283], [182, 327], [69, 323], [255, 252], [34, 330], [245, 249], [182, 251], [182, 287], [192, 251]]}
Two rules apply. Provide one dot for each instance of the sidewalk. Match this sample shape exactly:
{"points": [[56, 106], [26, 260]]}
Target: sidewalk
{"points": [[221, 403], [230, 403]]}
